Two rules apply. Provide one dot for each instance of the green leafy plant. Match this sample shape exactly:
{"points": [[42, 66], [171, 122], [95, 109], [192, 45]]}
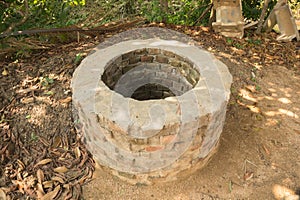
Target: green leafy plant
{"points": [[78, 58], [229, 41], [254, 41], [46, 81], [238, 45], [38, 13], [184, 12], [34, 137]]}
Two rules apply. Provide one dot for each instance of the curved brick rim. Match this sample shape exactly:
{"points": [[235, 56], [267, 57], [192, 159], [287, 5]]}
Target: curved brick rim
{"points": [[155, 139]]}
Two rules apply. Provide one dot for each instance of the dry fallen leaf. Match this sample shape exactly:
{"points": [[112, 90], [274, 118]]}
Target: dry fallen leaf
{"points": [[2, 195], [44, 141], [40, 175], [48, 184], [58, 179], [248, 176], [254, 108], [4, 72], [56, 141], [51, 195], [266, 150], [66, 100], [77, 152], [251, 88], [20, 185], [40, 191], [20, 164], [43, 162], [62, 169]]}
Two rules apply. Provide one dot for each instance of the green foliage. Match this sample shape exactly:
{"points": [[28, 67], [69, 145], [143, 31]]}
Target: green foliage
{"points": [[184, 12], [253, 41], [56, 13], [46, 81], [152, 11], [62, 13], [252, 8], [40, 13]]}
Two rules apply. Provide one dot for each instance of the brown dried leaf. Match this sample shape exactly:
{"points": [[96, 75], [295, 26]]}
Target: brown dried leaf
{"points": [[266, 150], [43, 162], [44, 141], [248, 176], [58, 179], [40, 191], [62, 169], [67, 192], [51, 195], [251, 88], [21, 165], [19, 184], [48, 184], [40, 175], [66, 100], [77, 152], [2, 194], [254, 108], [76, 191], [25, 174], [87, 175], [85, 157], [4, 72], [56, 141]]}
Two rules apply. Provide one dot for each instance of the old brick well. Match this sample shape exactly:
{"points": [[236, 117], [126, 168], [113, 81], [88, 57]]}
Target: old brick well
{"points": [[150, 104]]}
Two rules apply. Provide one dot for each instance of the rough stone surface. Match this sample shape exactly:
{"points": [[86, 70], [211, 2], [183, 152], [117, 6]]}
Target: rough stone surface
{"points": [[229, 18], [151, 108]]}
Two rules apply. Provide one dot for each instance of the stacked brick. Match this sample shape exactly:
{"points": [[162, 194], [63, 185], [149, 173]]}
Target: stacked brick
{"points": [[152, 109]]}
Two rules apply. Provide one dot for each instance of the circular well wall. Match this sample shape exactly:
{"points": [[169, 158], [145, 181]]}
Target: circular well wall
{"points": [[155, 139], [150, 73]]}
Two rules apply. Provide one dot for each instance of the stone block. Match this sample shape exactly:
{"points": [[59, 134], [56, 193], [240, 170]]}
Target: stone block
{"points": [[286, 23], [229, 18]]}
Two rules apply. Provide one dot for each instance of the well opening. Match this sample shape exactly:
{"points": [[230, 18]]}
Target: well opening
{"points": [[150, 73], [152, 91]]}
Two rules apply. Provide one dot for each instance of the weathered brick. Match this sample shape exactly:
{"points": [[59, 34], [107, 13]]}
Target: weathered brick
{"points": [[161, 59], [175, 62], [167, 139], [127, 55], [153, 51], [134, 60], [145, 159], [147, 58], [169, 54], [153, 148], [140, 51]]}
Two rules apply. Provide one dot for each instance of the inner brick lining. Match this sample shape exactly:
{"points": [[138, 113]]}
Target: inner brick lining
{"points": [[150, 73]]}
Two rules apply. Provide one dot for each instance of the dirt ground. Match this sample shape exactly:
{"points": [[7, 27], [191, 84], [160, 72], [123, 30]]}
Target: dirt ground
{"points": [[259, 152]]}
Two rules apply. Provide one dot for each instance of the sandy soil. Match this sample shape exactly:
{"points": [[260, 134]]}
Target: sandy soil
{"points": [[259, 151]]}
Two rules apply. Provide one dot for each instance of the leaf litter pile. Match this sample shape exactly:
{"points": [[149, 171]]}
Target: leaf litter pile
{"points": [[41, 154], [42, 157]]}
